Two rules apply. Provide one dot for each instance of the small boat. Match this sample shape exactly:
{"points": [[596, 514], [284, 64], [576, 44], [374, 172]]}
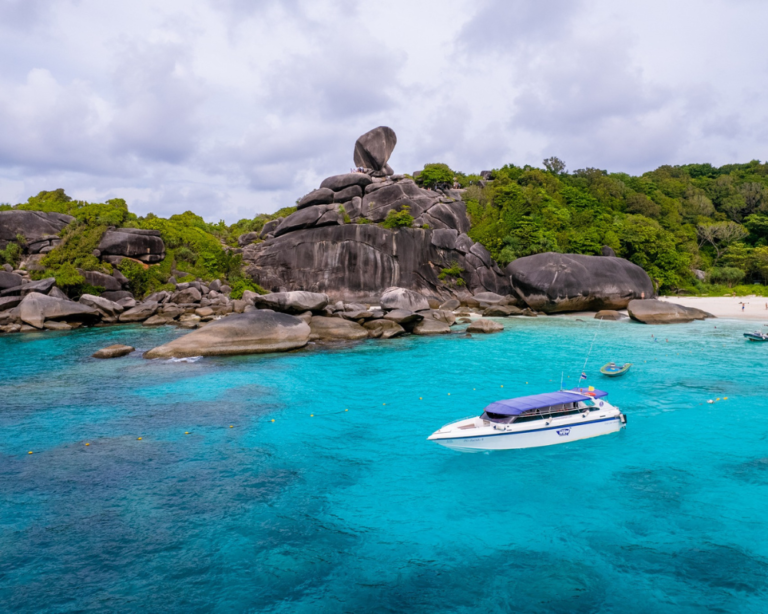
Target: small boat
{"points": [[614, 370], [756, 336], [533, 421]]}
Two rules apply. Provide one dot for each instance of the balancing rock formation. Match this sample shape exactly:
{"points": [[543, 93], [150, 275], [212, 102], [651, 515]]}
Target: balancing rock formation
{"points": [[332, 243]]}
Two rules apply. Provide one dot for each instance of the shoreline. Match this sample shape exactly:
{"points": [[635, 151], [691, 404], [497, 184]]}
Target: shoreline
{"points": [[726, 307]]}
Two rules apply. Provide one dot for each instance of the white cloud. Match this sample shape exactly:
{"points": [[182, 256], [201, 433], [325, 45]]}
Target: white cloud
{"points": [[235, 107]]}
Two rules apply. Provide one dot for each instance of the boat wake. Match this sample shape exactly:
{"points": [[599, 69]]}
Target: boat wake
{"points": [[186, 359]]}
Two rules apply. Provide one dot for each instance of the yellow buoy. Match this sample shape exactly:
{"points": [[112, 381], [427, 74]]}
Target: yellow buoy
{"points": [[311, 415], [502, 385], [30, 452], [346, 410], [383, 403], [139, 438], [725, 398], [230, 426], [273, 419], [87, 444], [186, 432], [449, 394], [420, 398]]}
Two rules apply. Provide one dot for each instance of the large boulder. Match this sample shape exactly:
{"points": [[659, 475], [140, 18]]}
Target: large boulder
{"points": [[554, 283], [42, 286], [102, 280], [402, 298], [372, 150], [107, 308], [383, 329], [430, 326], [144, 245], [33, 225], [502, 311], [36, 308], [336, 329], [9, 280], [485, 326], [653, 311], [292, 302], [253, 332], [114, 351], [404, 316], [321, 196], [9, 302], [378, 204], [140, 312], [303, 218], [338, 183], [188, 295]]}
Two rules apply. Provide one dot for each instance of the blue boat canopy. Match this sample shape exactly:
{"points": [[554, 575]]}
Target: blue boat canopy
{"points": [[515, 407]]}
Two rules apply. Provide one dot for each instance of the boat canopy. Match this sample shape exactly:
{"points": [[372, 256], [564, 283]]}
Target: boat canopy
{"points": [[515, 407]]}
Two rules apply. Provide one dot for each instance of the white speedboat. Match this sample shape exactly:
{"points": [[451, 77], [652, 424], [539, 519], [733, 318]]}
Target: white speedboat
{"points": [[533, 421]]}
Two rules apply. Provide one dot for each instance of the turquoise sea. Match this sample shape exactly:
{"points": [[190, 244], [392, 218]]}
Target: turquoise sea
{"points": [[305, 483]]}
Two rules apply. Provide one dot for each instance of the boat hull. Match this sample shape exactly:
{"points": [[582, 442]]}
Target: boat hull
{"points": [[550, 435]]}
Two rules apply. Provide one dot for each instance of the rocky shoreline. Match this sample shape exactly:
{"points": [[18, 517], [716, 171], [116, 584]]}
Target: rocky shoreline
{"points": [[368, 254]]}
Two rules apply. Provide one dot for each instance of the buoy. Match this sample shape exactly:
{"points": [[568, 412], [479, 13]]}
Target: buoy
{"points": [[502, 385], [383, 403], [139, 438], [725, 398], [346, 410], [30, 452], [87, 444], [420, 398], [710, 401], [449, 394], [230, 426], [273, 419], [311, 415], [717, 399], [186, 432], [526, 382]]}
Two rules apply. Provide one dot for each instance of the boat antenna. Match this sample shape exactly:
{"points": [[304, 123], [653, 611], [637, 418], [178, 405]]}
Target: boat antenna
{"points": [[586, 360]]}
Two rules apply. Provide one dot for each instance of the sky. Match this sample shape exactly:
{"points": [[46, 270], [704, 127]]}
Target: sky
{"points": [[231, 108]]}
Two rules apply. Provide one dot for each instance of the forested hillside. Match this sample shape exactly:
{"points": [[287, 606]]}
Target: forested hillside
{"points": [[695, 229], [671, 221]]}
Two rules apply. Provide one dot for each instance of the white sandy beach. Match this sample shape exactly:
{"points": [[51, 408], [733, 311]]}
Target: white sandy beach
{"points": [[726, 306]]}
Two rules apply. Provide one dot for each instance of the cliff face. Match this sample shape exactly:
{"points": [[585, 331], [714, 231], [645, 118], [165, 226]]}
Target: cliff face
{"points": [[361, 260]]}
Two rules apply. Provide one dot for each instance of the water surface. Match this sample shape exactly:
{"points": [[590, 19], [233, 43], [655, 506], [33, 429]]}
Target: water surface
{"points": [[306, 484]]}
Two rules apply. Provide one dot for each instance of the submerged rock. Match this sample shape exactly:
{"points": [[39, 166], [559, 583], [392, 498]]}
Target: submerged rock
{"points": [[114, 351], [485, 326], [554, 283], [653, 311], [430, 326], [254, 332], [608, 314]]}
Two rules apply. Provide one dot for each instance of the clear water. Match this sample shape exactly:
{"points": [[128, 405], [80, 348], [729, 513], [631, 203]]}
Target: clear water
{"points": [[354, 511]]}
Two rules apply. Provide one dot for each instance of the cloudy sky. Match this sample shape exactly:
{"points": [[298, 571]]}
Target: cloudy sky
{"points": [[235, 107]]}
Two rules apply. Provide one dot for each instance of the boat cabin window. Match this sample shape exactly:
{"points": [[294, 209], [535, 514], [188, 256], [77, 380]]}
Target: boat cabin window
{"points": [[500, 418]]}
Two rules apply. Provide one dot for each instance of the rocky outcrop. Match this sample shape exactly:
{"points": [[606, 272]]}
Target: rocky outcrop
{"points": [[35, 309], [254, 332], [140, 312], [372, 150], [331, 243], [114, 351], [554, 283], [42, 286], [32, 225], [106, 307], [653, 311], [361, 260], [143, 245]]}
